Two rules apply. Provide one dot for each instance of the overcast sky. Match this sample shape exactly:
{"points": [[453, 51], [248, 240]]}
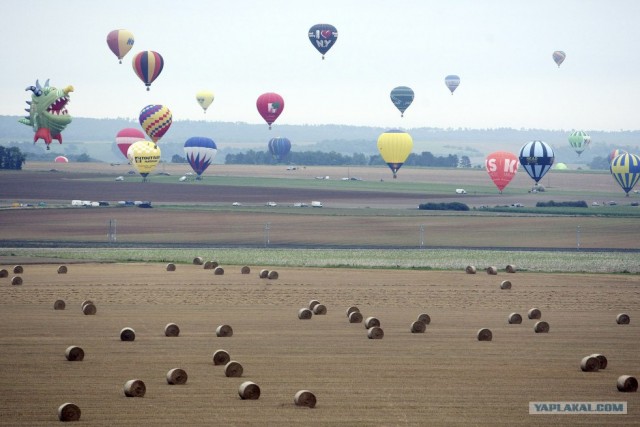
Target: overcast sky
{"points": [[501, 49]]}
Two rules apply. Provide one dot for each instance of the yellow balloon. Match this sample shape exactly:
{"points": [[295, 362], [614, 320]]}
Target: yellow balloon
{"points": [[204, 98], [144, 156], [395, 146]]}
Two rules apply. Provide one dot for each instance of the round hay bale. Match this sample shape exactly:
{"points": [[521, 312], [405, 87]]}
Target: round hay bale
{"points": [[210, 265], [370, 322], [506, 284], [245, 270], [62, 269], [177, 376], [272, 275], [352, 309], [320, 309], [4, 273], [510, 268], [127, 334], [305, 398], [375, 333], [89, 309], [224, 331], [484, 334], [304, 313], [263, 274], [313, 303], [589, 364], [233, 369], [418, 327], [492, 270], [17, 269], [249, 391], [135, 388], [602, 360], [424, 317], [171, 330], [59, 305], [171, 267], [87, 301], [355, 317], [16, 280], [541, 327], [623, 319], [74, 354], [514, 319], [221, 357], [627, 384], [69, 412], [198, 260], [534, 313], [470, 269], [218, 271]]}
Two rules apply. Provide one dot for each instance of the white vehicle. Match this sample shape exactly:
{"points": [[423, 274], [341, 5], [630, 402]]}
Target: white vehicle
{"points": [[120, 178], [236, 204], [316, 204], [76, 203], [272, 204], [461, 191], [183, 178]]}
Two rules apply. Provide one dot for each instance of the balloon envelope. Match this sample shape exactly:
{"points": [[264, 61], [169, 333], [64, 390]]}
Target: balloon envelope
{"points": [[204, 98], [536, 157], [270, 105], [579, 141], [402, 97], [61, 159], [279, 147], [148, 65], [625, 169], [200, 152], [561, 166], [394, 147], [144, 156], [120, 42], [155, 120], [558, 57], [323, 37], [501, 166], [615, 153], [126, 137], [452, 81]]}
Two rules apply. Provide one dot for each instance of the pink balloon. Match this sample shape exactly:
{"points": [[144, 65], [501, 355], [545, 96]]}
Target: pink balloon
{"points": [[270, 105], [501, 167]]}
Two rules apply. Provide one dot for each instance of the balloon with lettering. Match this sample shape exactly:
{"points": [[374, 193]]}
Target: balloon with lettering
{"points": [[579, 141], [270, 106], [148, 65], [559, 57], [323, 37], [144, 156], [402, 97], [120, 42], [204, 98], [155, 120], [625, 169], [200, 152], [501, 166], [536, 157], [394, 147], [126, 137], [279, 147], [452, 81]]}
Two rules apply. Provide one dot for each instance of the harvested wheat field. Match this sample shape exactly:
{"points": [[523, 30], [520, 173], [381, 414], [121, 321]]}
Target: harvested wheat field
{"points": [[441, 377]]}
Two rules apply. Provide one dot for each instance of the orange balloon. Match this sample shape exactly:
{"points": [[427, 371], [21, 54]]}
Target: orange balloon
{"points": [[501, 167]]}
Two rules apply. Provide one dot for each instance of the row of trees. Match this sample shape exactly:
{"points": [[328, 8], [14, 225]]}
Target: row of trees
{"points": [[11, 158]]}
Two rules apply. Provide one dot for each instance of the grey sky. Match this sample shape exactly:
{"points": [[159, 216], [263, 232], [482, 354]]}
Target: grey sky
{"points": [[241, 49]]}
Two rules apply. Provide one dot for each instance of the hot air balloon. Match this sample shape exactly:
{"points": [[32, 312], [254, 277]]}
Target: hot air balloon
{"points": [[558, 57], [126, 137], [625, 169], [148, 66], [155, 120], [120, 42], [144, 156], [579, 141], [394, 147], [402, 97], [537, 158], [204, 98], [279, 147], [270, 105], [61, 159], [452, 81], [561, 166], [615, 153], [323, 37], [501, 166], [200, 152]]}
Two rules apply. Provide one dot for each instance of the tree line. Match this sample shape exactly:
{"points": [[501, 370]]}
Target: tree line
{"points": [[11, 158]]}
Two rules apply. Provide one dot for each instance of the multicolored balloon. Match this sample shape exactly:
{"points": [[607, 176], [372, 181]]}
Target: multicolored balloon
{"points": [[148, 65], [323, 37], [126, 137], [394, 147], [402, 97], [120, 42], [204, 98], [200, 152], [144, 156], [615, 153], [279, 147], [155, 120], [270, 106], [625, 169], [536, 157], [579, 141], [558, 57], [501, 166], [452, 81]]}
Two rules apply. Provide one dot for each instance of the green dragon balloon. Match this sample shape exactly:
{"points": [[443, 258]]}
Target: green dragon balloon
{"points": [[47, 112]]}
